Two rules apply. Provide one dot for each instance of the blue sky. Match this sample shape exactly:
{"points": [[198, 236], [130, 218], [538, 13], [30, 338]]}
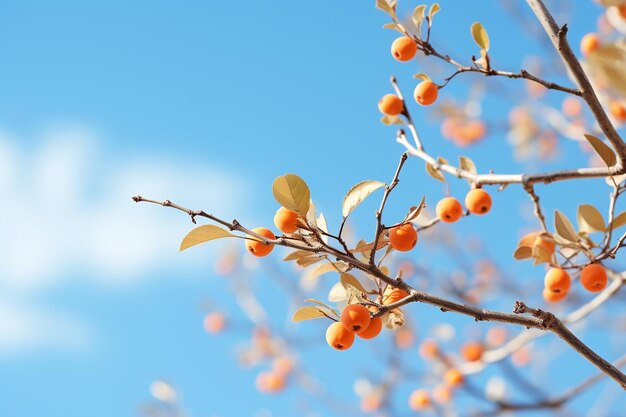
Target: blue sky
{"points": [[204, 103]]}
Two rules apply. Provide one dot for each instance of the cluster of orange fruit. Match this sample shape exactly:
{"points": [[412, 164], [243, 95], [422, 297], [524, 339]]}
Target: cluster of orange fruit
{"points": [[404, 49], [356, 320], [557, 281]]}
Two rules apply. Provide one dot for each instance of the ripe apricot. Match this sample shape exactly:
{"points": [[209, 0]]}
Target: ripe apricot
{"points": [[214, 322], [472, 351], [429, 349], [557, 280], [394, 295], [286, 220], [593, 277], [338, 337], [617, 110], [453, 377], [426, 93], [270, 382], [258, 248], [589, 43], [390, 105], [449, 210], [403, 238], [419, 400], [403, 49], [553, 297], [355, 318], [478, 201], [373, 330]]}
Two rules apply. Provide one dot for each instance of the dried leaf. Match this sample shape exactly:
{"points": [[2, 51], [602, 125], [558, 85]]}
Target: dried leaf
{"points": [[418, 17], [292, 193], [480, 36], [434, 173], [308, 313], [415, 211], [385, 6], [366, 247], [203, 234], [606, 66], [433, 10], [350, 280], [337, 293], [297, 254], [442, 160], [309, 260], [423, 77], [564, 227], [357, 194], [523, 252], [589, 219], [321, 225], [619, 220], [605, 152], [541, 255], [467, 164], [395, 26], [325, 268]]}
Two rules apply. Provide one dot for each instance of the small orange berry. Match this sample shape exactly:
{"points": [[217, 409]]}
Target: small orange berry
{"points": [[419, 400], [472, 351], [618, 110], [270, 382], [403, 238], [355, 318], [478, 201], [373, 330], [390, 105], [589, 43], [258, 248], [593, 278], [429, 349], [426, 93], [442, 394], [214, 322], [286, 220], [557, 280], [338, 337], [553, 297], [453, 377], [449, 210], [403, 49]]}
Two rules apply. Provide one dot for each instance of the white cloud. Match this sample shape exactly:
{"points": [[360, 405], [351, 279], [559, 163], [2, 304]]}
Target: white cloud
{"points": [[67, 215], [66, 210]]}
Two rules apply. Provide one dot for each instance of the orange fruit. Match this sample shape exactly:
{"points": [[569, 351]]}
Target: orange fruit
{"points": [[355, 318], [390, 105], [589, 43], [419, 400], [449, 210], [557, 280], [403, 238], [338, 337], [617, 110], [270, 382], [553, 297], [403, 49], [472, 351], [429, 349], [593, 277], [478, 201], [373, 330], [214, 322], [286, 220], [258, 248], [453, 377], [426, 93]]}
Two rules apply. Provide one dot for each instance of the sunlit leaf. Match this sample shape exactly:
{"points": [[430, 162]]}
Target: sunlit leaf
{"points": [[308, 313], [203, 234], [357, 194], [385, 6], [325, 268], [349, 279], [434, 173], [523, 252], [367, 247], [418, 17], [480, 36], [606, 66], [297, 254], [337, 293], [292, 193], [589, 219], [619, 220], [395, 26], [540, 255], [606, 153], [309, 260], [433, 10], [415, 211], [467, 164], [564, 227]]}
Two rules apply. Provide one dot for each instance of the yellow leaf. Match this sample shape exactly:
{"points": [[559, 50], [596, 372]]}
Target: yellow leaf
{"points": [[602, 149], [480, 36], [564, 227], [619, 220], [308, 313], [589, 219], [434, 173], [467, 164], [203, 234], [292, 193], [357, 194]]}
